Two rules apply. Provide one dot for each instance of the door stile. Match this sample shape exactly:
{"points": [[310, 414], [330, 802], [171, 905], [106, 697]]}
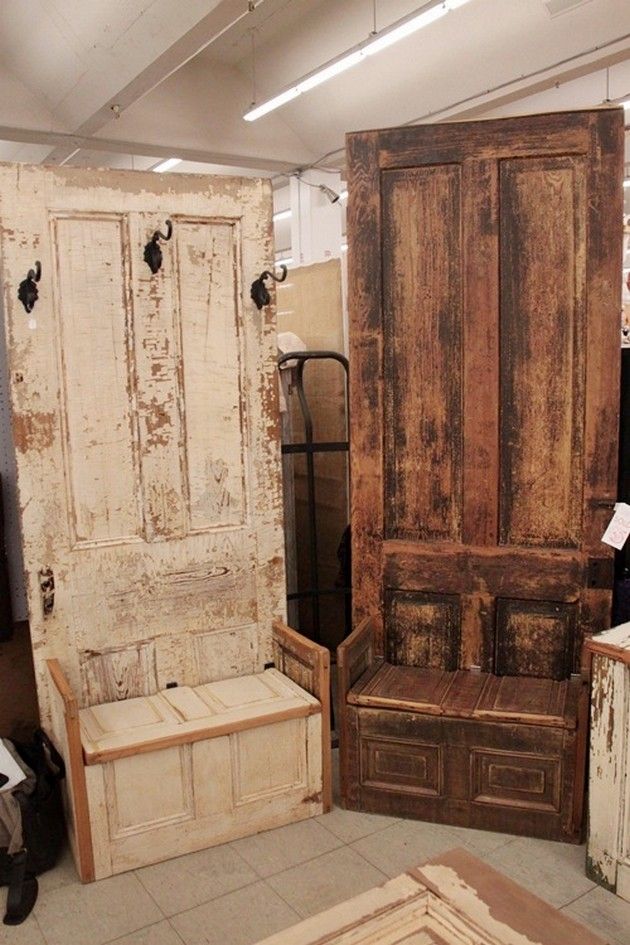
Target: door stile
{"points": [[366, 379], [605, 217]]}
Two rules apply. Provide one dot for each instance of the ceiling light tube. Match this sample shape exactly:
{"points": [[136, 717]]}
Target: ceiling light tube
{"points": [[282, 215], [167, 165], [427, 14]]}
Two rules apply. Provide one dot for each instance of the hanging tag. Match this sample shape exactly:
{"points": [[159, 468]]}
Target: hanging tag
{"points": [[618, 527]]}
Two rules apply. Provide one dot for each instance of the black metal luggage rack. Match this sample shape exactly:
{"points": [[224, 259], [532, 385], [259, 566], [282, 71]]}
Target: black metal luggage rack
{"points": [[310, 447]]}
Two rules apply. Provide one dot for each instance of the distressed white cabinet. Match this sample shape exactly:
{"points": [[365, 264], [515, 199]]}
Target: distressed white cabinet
{"points": [[608, 849], [148, 501]]}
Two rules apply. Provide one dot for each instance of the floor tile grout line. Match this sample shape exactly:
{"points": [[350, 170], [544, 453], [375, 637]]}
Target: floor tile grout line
{"points": [[319, 856], [581, 896], [301, 863], [285, 901], [149, 893], [207, 902], [369, 834], [119, 938]]}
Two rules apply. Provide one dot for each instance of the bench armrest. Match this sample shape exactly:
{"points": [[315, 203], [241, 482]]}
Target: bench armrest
{"points": [[355, 655], [308, 665]]}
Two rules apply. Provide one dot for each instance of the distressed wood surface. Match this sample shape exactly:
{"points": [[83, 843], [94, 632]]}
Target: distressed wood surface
{"points": [[484, 263], [308, 665], [147, 405], [454, 898], [608, 845]]}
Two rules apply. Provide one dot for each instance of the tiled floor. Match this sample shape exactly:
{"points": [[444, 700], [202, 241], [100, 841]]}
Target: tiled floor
{"points": [[241, 892]]}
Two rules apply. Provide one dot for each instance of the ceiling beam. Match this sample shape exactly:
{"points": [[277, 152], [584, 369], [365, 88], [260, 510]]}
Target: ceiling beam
{"points": [[224, 15], [71, 143]]}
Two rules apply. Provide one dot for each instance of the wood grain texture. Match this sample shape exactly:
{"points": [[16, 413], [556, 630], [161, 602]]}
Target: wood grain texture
{"points": [[453, 898], [308, 664], [608, 842], [422, 629], [543, 281], [422, 326], [366, 389]]}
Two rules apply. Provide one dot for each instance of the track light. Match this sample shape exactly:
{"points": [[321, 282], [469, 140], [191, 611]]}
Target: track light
{"points": [[427, 14], [332, 195]]}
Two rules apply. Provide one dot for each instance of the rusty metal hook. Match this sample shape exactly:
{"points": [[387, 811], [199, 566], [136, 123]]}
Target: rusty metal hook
{"points": [[259, 291], [27, 290], [152, 252]]}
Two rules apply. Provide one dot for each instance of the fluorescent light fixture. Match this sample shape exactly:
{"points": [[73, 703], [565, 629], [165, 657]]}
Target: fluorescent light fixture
{"points": [[282, 215], [406, 28], [427, 14], [329, 72], [273, 103], [626, 182], [167, 165]]}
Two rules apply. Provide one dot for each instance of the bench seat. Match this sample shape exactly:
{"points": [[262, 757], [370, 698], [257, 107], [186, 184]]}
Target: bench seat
{"points": [[186, 714], [469, 695]]}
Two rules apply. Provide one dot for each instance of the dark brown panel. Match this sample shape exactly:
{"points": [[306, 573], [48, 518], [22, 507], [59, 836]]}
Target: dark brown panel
{"points": [[515, 780], [504, 572], [543, 279], [422, 313], [481, 351], [422, 629], [535, 638], [402, 766], [366, 388]]}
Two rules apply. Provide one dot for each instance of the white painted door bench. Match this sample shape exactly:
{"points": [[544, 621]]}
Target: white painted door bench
{"points": [[189, 767], [138, 398], [608, 845]]}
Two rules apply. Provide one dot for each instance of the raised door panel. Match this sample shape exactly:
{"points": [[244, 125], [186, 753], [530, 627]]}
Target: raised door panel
{"points": [[542, 224], [422, 313]]}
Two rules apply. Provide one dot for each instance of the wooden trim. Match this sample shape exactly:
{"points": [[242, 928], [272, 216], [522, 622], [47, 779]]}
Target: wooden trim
{"points": [[591, 645], [76, 773], [317, 658], [354, 656], [102, 755], [480, 886]]}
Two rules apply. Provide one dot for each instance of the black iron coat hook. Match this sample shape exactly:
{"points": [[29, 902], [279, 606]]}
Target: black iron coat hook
{"points": [[27, 290], [152, 252], [260, 292]]}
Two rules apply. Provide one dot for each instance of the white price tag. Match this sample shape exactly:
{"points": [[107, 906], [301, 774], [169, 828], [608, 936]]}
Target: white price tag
{"points": [[618, 527]]}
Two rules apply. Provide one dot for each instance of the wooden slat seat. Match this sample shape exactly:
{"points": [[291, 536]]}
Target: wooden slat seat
{"points": [[464, 694], [184, 714]]}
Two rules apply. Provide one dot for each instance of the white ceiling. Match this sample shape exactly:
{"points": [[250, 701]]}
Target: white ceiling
{"points": [[181, 74]]}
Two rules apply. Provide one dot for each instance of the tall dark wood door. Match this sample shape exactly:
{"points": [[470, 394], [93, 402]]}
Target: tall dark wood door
{"points": [[484, 299]]}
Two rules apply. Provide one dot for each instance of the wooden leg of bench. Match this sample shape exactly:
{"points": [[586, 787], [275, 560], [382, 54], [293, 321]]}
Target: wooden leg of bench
{"points": [[308, 665], [67, 736]]}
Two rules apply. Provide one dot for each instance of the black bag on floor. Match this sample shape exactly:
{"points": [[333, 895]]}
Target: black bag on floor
{"points": [[43, 828]]}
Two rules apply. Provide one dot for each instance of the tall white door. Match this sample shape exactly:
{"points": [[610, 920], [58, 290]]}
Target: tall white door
{"points": [[145, 426]]}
